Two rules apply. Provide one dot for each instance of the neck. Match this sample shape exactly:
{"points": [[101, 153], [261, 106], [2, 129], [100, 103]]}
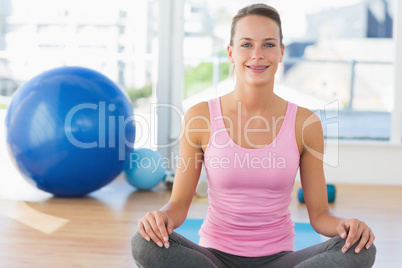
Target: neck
{"points": [[254, 100]]}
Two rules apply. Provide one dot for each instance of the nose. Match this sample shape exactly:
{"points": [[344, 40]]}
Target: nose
{"points": [[257, 54]]}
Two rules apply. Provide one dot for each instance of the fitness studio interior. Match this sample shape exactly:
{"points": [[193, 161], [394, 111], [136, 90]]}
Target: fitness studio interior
{"points": [[93, 95]]}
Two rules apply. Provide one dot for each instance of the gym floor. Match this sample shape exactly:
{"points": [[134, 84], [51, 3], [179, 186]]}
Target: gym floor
{"points": [[41, 231]]}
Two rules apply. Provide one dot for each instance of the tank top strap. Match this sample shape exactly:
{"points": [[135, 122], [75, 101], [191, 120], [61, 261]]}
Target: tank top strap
{"points": [[288, 128], [290, 117], [215, 114]]}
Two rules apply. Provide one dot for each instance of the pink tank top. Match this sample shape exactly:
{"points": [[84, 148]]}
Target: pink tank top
{"points": [[249, 190]]}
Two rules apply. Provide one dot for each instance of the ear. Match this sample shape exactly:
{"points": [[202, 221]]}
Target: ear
{"points": [[230, 51], [282, 52]]}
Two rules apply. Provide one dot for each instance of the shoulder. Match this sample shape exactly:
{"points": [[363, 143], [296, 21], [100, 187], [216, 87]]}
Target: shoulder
{"points": [[308, 129], [197, 115], [199, 109], [306, 119], [196, 125]]}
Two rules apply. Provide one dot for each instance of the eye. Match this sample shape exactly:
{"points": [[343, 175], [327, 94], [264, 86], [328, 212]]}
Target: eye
{"points": [[269, 45], [246, 45]]}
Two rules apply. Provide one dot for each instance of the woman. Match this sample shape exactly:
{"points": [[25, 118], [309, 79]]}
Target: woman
{"points": [[252, 143]]}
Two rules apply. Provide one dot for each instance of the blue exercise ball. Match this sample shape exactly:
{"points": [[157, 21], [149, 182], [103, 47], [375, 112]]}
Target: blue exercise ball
{"points": [[145, 168], [70, 130]]}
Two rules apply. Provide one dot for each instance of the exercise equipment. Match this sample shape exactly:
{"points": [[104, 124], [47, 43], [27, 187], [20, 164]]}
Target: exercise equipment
{"points": [[305, 234], [169, 179], [331, 194], [144, 168], [69, 130]]}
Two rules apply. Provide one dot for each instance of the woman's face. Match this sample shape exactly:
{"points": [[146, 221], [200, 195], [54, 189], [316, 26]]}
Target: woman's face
{"points": [[256, 50]]}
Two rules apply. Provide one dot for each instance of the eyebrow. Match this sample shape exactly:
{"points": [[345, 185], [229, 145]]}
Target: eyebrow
{"points": [[266, 39]]}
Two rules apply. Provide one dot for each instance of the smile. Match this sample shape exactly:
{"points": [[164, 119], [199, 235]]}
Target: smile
{"points": [[257, 68]]}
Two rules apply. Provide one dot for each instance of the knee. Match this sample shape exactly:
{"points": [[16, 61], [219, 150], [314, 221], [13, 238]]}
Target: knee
{"points": [[366, 257], [139, 246], [370, 255]]}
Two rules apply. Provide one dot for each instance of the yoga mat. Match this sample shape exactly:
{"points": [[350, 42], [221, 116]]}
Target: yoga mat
{"points": [[305, 234]]}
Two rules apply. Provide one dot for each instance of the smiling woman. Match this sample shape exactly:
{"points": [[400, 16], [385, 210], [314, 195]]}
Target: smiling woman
{"points": [[249, 222], [271, 34], [256, 48]]}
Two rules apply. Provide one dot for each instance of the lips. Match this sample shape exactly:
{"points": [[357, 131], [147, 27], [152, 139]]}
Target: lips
{"points": [[257, 68]]}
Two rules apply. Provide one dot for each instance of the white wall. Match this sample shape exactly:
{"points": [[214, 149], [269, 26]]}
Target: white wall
{"points": [[374, 163]]}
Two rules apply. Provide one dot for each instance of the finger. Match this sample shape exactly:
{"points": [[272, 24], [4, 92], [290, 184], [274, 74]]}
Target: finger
{"points": [[363, 240], [160, 222], [152, 230], [141, 230], [371, 240], [341, 231], [351, 238], [170, 226]]}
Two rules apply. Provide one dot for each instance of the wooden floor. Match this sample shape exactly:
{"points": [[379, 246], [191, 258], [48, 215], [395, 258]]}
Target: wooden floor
{"points": [[39, 231]]}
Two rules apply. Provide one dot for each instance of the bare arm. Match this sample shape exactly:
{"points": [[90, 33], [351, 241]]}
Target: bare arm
{"points": [[315, 192], [157, 225], [188, 170], [312, 176]]}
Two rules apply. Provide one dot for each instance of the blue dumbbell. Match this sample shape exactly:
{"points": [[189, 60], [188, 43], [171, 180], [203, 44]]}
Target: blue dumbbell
{"points": [[331, 191]]}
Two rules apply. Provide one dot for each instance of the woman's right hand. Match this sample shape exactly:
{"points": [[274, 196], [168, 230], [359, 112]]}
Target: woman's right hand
{"points": [[156, 226]]}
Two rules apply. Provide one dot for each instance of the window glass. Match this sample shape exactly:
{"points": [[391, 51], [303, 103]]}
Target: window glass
{"points": [[115, 38], [338, 57]]}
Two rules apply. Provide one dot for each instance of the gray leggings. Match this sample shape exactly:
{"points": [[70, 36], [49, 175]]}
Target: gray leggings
{"points": [[184, 253]]}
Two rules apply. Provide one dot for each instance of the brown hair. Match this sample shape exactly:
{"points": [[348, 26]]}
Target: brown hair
{"points": [[260, 10]]}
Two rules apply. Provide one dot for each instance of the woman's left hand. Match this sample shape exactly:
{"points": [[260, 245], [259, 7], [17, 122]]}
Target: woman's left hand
{"points": [[353, 230]]}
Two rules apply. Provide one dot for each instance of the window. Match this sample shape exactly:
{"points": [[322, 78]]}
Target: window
{"points": [[338, 54]]}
